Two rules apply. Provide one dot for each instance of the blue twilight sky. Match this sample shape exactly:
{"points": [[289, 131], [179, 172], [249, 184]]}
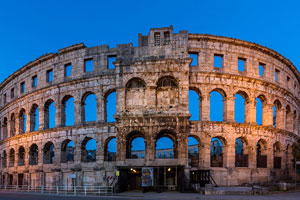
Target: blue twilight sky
{"points": [[29, 29]]}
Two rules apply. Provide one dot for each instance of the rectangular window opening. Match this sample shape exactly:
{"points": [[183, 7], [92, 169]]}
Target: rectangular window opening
{"points": [[156, 39], [276, 74], [218, 60], [194, 56], [89, 65], [68, 70], [49, 76], [34, 81], [241, 64], [261, 69], [110, 60], [144, 40], [22, 87], [12, 93], [167, 37], [4, 98]]}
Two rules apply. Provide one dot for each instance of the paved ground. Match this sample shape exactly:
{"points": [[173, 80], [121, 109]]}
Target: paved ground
{"points": [[151, 196]]}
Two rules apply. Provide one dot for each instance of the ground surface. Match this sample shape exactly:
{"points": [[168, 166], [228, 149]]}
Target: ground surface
{"points": [[149, 196]]}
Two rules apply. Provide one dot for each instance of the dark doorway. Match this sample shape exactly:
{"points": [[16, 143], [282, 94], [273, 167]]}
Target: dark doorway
{"points": [[20, 179], [11, 179], [165, 178]]}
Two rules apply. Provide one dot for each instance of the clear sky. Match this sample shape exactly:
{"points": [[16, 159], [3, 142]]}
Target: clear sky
{"points": [[29, 29]]}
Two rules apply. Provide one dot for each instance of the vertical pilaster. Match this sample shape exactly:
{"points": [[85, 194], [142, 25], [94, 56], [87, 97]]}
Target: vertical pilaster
{"points": [[205, 109], [228, 109]]}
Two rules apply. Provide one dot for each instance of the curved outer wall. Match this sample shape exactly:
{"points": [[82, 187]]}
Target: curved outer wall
{"points": [[153, 111]]}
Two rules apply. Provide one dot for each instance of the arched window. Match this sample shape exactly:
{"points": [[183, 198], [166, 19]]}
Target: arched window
{"points": [[288, 118], [48, 156], [241, 154], [216, 152], [49, 114], [135, 145], [89, 107], [277, 155], [22, 121], [241, 107], [12, 125], [4, 159], [111, 106], [295, 122], [166, 145], [11, 157], [88, 150], [167, 93], [217, 110], [34, 118], [68, 114], [110, 151], [33, 154], [259, 111], [193, 151], [135, 93], [21, 156], [261, 157], [4, 128], [194, 105], [277, 114], [67, 151]]}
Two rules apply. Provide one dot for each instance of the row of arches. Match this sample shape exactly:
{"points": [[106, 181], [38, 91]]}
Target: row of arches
{"points": [[218, 101], [166, 147], [88, 110], [88, 153]]}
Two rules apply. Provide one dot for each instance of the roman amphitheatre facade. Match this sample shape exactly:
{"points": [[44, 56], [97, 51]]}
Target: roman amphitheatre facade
{"points": [[151, 84]]}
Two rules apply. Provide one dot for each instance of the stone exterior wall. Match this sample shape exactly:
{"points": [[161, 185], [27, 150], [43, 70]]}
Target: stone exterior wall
{"points": [[152, 82]]}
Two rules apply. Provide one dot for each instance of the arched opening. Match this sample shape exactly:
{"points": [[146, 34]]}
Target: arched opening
{"points": [[241, 107], [33, 154], [89, 107], [261, 151], [48, 156], [4, 128], [277, 114], [167, 93], [88, 150], [216, 152], [110, 149], [194, 105], [67, 151], [277, 155], [295, 122], [193, 151], [217, 108], [261, 111], [11, 157], [288, 118], [12, 125], [68, 114], [166, 145], [135, 145], [22, 121], [49, 114], [241, 153], [111, 106], [21, 156], [135, 93], [34, 118], [4, 159]]}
